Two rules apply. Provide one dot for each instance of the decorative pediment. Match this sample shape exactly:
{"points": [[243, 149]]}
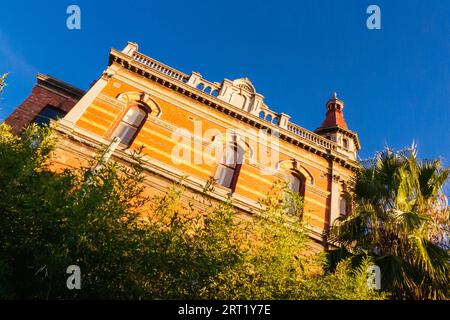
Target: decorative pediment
{"points": [[142, 98], [293, 165], [244, 84]]}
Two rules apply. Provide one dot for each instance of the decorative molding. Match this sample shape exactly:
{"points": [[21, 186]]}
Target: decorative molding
{"points": [[177, 81], [172, 174], [191, 107], [316, 190]]}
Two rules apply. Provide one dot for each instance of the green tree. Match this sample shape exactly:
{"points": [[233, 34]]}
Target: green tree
{"points": [[129, 246], [277, 262], [398, 200], [50, 221]]}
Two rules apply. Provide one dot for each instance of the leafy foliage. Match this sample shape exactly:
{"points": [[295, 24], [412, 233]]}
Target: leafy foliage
{"points": [[400, 220], [128, 246]]}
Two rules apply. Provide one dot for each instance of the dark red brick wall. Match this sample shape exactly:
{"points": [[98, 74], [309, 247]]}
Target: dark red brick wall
{"points": [[39, 98]]}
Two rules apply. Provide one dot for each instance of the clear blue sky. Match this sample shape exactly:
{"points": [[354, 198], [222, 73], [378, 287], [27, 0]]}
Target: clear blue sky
{"points": [[395, 82]]}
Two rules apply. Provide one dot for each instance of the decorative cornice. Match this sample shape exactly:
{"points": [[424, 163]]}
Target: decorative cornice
{"points": [[317, 191], [351, 134], [178, 84], [59, 87]]}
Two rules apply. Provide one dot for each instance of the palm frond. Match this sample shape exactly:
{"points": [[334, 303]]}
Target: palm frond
{"points": [[398, 215]]}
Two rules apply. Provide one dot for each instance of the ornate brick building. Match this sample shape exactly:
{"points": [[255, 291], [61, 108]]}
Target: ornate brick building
{"points": [[177, 117]]}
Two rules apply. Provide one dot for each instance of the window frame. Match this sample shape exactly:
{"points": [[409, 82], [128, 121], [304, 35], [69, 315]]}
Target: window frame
{"points": [[346, 143], [61, 115], [302, 181], [235, 167], [301, 185], [120, 120]]}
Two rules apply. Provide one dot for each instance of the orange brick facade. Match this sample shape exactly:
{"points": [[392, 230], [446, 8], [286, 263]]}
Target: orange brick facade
{"points": [[182, 112]]}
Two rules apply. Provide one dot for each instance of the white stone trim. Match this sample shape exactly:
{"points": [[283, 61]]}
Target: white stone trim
{"points": [[77, 111]]}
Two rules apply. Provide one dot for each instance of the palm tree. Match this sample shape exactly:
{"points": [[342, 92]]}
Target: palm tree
{"points": [[399, 219]]}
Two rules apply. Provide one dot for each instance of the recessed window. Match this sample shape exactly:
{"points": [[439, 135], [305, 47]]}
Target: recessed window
{"points": [[47, 114], [229, 166], [130, 125], [343, 207], [296, 183], [345, 143]]}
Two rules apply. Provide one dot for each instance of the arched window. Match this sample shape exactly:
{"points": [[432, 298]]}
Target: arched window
{"points": [[343, 207], [229, 166], [345, 143], [262, 115], [296, 182], [131, 123]]}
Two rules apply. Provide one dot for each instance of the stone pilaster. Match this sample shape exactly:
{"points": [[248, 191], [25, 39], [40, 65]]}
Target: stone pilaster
{"points": [[284, 120], [334, 205], [72, 117]]}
